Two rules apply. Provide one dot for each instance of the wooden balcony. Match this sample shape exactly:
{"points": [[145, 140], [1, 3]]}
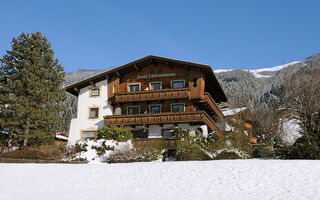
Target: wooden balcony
{"points": [[150, 95], [209, 105], [200, 117]]}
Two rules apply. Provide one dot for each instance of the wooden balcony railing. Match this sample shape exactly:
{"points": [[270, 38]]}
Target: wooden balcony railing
{"points": [[213, 105], [150, 95], [209, 105], [163, 118]]}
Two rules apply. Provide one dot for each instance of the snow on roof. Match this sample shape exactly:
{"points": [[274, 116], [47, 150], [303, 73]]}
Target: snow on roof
{"points": [[61, 137], [230, 112]]}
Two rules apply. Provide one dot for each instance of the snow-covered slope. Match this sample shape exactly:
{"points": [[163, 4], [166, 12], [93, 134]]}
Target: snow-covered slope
{"points": [[264, 72], [224, 179], [259, 73]]}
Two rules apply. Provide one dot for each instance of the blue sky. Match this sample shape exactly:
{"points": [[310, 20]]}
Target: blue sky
{"points": [[224, 34]]}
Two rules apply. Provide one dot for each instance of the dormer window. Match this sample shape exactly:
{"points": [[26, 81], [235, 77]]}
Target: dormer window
{"points": [[177, 84], [133, 87], [155, 85], [94, 92]]}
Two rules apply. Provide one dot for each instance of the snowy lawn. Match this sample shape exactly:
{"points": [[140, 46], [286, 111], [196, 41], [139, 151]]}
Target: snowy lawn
{"points": [[227, 179]]}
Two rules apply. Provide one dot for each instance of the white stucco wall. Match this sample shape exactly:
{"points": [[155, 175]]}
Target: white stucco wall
{"points": [[85, 102]]}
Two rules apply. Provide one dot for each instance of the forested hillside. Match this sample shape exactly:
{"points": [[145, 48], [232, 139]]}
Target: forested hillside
{"points": [[247, 88]]}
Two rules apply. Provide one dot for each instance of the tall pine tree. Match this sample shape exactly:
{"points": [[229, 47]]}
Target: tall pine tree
{"points": [[31, 95]]}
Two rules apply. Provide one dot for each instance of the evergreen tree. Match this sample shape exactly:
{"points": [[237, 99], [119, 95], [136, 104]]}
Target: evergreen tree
{"points": [[31, 95]]}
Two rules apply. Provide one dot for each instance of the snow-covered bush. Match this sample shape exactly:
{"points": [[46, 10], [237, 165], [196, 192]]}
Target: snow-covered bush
{"points": [[190, 147], [112, 151], [99, 150], [142, 151]]}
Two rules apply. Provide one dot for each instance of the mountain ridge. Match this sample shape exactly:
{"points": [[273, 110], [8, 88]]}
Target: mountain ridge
{"points": [[261, 72]]}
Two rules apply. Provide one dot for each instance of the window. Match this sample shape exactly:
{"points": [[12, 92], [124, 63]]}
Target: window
{"points": [[94, 92], [94, 113], [177, 84], [88, 135], [177, 107], [139, 134], [155, 108], [167, 133], [133, 87], [155, 85], [133, 110]]}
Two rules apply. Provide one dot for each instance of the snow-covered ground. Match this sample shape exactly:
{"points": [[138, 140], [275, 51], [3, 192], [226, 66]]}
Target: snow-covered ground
{"points": [[225, 179]]}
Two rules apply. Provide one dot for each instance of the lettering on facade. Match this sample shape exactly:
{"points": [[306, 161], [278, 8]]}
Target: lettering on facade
{"points": [[155, 76]]}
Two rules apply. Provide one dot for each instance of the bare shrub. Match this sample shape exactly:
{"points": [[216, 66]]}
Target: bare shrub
{"points": [[52, 152]]}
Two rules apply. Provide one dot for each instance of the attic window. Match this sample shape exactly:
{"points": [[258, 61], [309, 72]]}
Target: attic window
{"points": [[94, 92], [177, 84], [155, 85]]}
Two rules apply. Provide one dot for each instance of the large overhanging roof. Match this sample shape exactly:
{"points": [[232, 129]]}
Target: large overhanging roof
{"points": [[218, 95]]}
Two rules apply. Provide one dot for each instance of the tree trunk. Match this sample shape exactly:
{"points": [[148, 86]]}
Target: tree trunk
{"points": [[10, 142], [26, 133]]}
